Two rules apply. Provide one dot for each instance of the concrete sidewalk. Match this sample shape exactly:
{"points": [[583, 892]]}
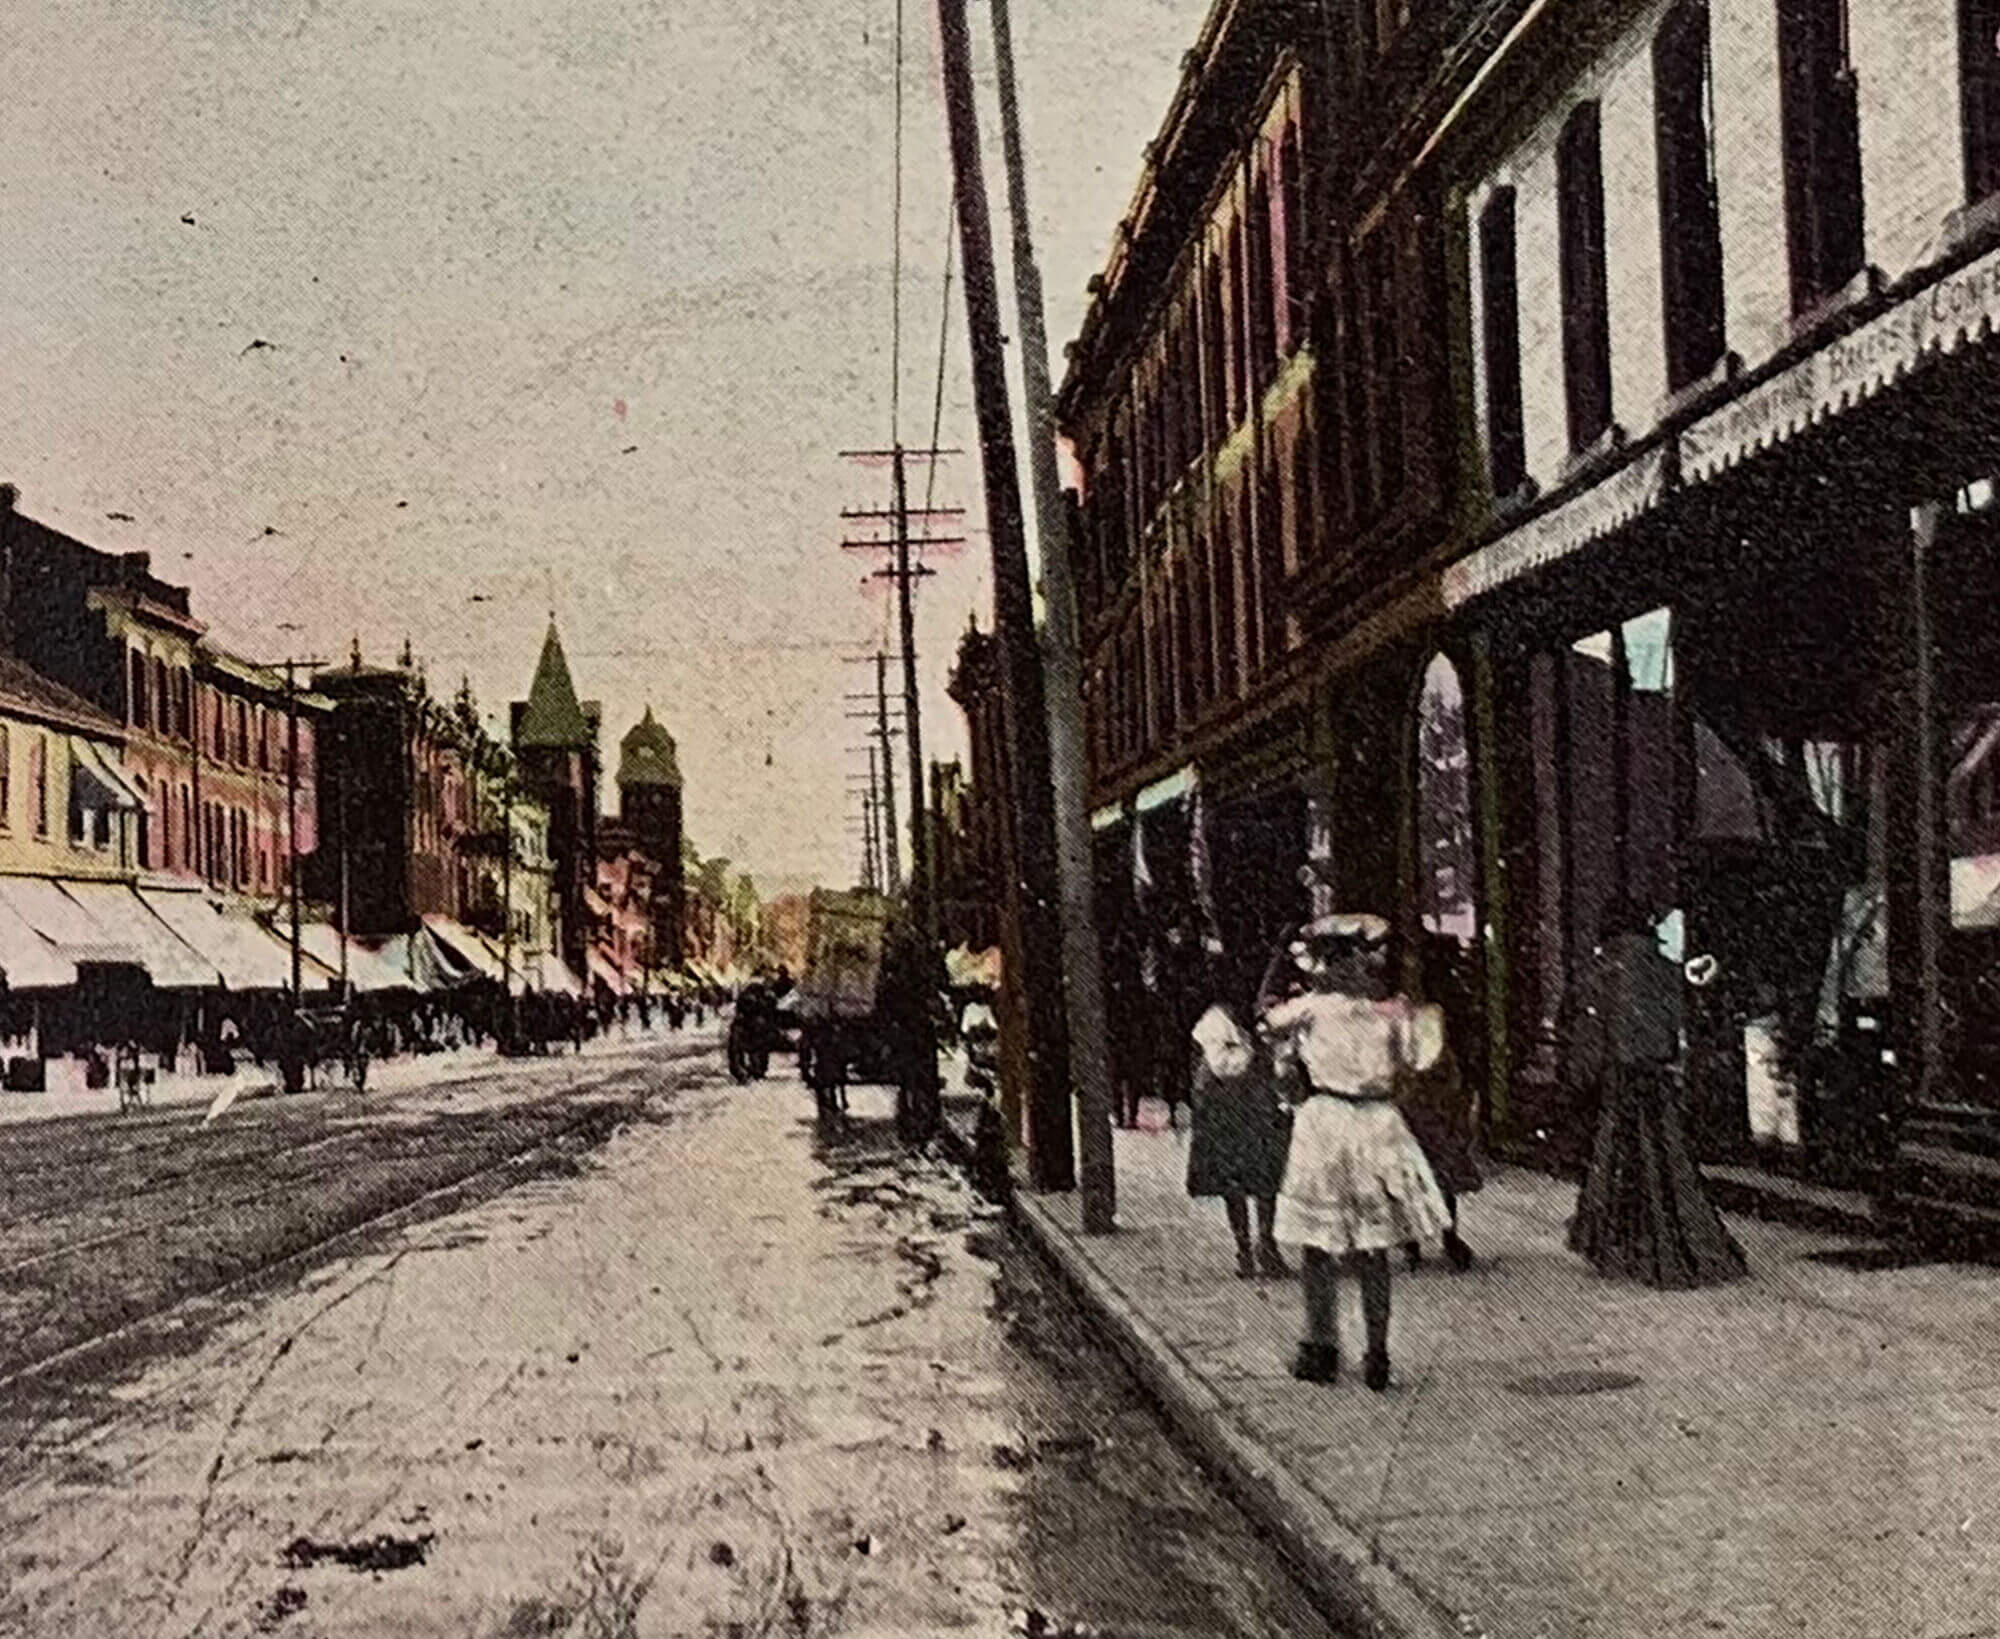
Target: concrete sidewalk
{"points": [[1815, 1450]]}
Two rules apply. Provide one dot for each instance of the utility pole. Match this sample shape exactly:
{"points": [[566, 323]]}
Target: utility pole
{"points": [[291, 665], [1052, 1150], [905, 571], [1089, 1050], [892, 864], [340, 824]]}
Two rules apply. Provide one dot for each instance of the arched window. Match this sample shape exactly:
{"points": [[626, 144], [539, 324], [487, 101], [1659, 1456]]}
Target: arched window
{"points": [[1447, 857]]}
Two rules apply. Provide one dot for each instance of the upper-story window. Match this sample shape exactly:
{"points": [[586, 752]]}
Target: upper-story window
{"points": [[138, 704], [1292, 229], [1261, 334], [242, 739], [6, 780], [38, 783], [1690, 218], [1500, 336], [184, 723], [1979, 94], [1817, 97], [1215, 363], [1585, 304], [163, 698], [1380, 455], [1233, 352]]}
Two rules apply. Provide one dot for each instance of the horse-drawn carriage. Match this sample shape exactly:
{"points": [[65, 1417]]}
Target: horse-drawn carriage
{"points": [[765, 1021], [846, 1032]]}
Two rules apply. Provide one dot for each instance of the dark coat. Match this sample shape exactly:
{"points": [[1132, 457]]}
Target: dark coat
{"points": [[1241, 1132]]}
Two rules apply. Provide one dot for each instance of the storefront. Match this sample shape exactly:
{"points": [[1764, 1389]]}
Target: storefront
{"points": [[1751, 685]]}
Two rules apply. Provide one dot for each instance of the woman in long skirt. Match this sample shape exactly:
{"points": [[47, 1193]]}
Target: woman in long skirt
{"points": [[1643, 1212], [1237, 1150], [1356, 1182]]}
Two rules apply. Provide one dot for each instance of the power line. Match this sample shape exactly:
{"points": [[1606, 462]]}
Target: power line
{"points": [[896, 256]]}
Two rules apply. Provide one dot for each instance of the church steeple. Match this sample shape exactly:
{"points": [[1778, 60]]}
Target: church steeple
{"points": [[552, 716]]}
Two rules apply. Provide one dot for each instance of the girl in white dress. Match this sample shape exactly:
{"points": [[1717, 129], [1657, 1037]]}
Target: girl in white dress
{"points": [[1356, 1182]]}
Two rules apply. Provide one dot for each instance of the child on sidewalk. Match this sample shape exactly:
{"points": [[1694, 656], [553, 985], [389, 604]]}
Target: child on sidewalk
{"points": [[1356, 1183]]}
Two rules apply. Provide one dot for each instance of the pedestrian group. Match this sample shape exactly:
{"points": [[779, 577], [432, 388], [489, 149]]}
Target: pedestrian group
{"points": [[1330, 1118]]}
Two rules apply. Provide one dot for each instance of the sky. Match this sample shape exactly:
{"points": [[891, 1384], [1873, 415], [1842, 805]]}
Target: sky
{"points": [[567, 306]]}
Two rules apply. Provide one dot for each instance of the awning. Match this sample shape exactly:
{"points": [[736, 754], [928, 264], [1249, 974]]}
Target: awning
{"points": [[69, 929], [29, 961], [126, 919], [604, 971], [1565, 528], [421, 961], [472, 952], [1939, 320], [544, 971], [101, 777], [367, 972], [246, 957]]}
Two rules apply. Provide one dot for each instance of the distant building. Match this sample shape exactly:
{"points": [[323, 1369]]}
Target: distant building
{"points": [[249, 802], [964, 859], [649, 813], [396, 796], [556, 747], [206, 734], [66, 808]]}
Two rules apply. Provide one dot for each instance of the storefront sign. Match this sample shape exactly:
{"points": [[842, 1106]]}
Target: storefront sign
{"points": [[1587, 516], [1847, 370]]}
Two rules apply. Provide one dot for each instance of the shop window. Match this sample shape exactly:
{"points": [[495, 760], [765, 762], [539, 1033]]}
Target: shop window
{"points": [[1500, 329], [1585, 304], [1447, 870], [1979, 94], [1690, 221], [1822, 149]]}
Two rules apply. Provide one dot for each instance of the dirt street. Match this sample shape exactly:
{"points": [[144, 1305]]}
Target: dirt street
{"points": [[724, 1375]]}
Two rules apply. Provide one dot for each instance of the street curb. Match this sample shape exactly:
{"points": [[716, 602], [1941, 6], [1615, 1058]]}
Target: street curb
{"points": [[1361, 1595]]}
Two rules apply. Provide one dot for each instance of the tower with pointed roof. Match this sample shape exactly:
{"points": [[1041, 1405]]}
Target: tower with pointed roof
{"points": [[649, 811], [555, 746]]}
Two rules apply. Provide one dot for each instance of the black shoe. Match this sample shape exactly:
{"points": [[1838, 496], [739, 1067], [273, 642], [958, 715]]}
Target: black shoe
{"points": [[1375, 1370], [1272, 1262], [1456, 1252], [1317, 1363], [1246, 1263]]}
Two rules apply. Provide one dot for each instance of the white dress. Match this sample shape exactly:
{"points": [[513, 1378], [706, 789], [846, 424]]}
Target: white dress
{"points": [[1355, 1178]]}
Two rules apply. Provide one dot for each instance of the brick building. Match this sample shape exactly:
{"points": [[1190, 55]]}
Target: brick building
{"points": [[206, 734], [1574, 479]]}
